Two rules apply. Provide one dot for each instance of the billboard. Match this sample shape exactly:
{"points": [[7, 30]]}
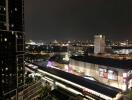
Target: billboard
{"points": [[108, 74]]}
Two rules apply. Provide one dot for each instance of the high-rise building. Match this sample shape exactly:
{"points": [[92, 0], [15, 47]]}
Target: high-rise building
{"points": [[11, 48], [99, 44]]}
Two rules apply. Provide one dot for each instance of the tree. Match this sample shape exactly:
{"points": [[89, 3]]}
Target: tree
{"points": [[45, 90]]}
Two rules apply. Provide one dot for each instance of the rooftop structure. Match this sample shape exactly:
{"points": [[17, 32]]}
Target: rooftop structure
{"points": [[99, 44]]}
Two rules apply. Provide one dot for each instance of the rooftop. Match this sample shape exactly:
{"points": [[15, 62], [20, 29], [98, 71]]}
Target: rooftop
{"points": [[117, 61]]}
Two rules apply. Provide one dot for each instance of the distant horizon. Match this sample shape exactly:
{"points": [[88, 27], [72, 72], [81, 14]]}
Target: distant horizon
{"points": [[92, 40]]}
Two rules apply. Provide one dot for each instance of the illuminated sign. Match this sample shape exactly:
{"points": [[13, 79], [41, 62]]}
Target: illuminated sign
{"points": [[112, 75], [125, 75], [129, 73], [103, 73], [108, 74]]}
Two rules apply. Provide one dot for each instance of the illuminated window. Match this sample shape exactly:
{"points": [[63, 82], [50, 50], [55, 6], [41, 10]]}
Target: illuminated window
{"points": [[3, 81], [15, 9], [112, 75], [5, 39], [12, 25], [103, 73], [12, 32], [16, 36], [6, 68], [125, 75], [2, 61]]}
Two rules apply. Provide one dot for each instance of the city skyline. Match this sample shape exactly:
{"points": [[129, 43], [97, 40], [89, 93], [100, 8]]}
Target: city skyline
{"points": [[74, 63], [68, 20]]}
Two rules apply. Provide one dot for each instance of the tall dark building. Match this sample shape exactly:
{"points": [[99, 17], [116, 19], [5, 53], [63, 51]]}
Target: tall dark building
{"points": [[11, 47]]}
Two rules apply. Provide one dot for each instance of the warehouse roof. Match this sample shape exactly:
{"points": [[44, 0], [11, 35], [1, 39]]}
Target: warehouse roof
{"points": [[122, 63]]}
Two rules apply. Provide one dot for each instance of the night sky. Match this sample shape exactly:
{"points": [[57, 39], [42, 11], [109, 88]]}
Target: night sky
{"points": [[48, 20]]}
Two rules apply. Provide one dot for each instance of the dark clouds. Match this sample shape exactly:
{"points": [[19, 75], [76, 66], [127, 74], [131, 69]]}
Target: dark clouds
{"points": [[78, 19]]}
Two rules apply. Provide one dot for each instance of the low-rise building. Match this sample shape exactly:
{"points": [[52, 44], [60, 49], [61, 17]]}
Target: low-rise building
{"points": [[112, 70]]}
